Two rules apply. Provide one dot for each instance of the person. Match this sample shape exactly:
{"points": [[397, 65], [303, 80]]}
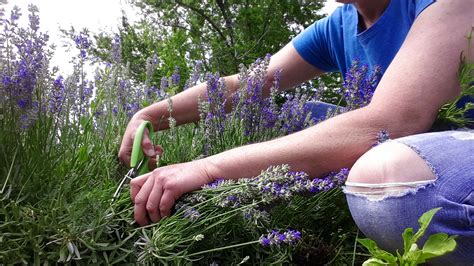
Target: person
{"points": [[417, 44]]}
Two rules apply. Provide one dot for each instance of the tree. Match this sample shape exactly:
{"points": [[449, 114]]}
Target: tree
{"points": [[227, 33], [222, 34]]}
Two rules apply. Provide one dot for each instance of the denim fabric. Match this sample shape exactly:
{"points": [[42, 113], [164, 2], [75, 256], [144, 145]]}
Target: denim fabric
{"points": [[450, 154], [319, 110]]}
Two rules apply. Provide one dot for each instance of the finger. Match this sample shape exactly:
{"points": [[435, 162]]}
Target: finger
{"points": [[152, 163], [167, 202], [125, 152], [136, 184], [139, 210], [147, 145], [159, 150], [153, 203]]}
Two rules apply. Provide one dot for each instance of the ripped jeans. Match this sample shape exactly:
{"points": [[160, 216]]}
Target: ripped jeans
{"points": [[382, 211]]}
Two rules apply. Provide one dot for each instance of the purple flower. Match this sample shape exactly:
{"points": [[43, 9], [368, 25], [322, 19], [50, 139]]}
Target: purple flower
{"points": [[214, 184], [6, 80], [153, 94], [232, 198], [292, 236], [15, 14], [299, 183], [255, 215], [175, 78], [154, 59], [28, 59], [82, 43], [192, 214], [57, 95], [164, 83], [270, 113], [132, 108], [22, 103], [116, 49], [82, 53], [340, 177], [359, 86], [275, 238], [264, 241], [213, 114], [382, 136], [294, 114], [281, 237], [33, 17], [123, 92], [252, 104], [195, 75]]}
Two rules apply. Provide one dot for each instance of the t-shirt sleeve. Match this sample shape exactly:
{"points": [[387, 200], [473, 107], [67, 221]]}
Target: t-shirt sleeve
{"points": [[420, 5], [314, 46]]}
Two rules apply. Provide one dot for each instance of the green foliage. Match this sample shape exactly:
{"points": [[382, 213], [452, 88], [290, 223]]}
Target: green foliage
{"points": [[436, 245], [221, 34], [231, 32], [58, 175], [453, 114]]}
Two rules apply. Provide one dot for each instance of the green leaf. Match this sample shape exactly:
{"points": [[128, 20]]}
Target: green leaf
{"points": [[376, 252], [83, 154], [368, 244], [437, 245], [85, 123], [424, 221], [62, 254], [374, 262], [411, 256], [407, 239]]}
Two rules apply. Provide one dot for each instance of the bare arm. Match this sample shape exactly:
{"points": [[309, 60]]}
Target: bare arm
{"points": [[420, 79], [185, 104]]}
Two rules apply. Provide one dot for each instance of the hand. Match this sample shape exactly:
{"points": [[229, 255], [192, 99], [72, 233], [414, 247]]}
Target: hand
{"points": [[155, 193], [127, 141]]}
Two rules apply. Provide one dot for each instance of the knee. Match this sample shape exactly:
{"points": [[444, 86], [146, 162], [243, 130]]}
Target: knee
{"points": [[390, 162]]}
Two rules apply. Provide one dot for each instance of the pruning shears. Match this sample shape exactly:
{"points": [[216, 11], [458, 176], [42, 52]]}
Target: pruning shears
{"points": [[138, 161]]}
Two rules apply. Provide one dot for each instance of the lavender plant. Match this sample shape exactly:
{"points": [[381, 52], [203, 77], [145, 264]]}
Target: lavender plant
{"points": [[59, 170], [253, 117], [359, 85]]}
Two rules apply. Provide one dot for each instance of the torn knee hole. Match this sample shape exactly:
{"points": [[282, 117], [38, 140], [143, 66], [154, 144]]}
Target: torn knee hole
{"points": [[382, 190]]}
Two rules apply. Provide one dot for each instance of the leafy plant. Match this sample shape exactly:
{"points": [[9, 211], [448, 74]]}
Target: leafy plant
{"points": [[459, 112], [436, 245]]}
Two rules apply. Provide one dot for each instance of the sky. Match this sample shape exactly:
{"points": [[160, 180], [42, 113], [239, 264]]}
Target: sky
{"points": [[96, 15]]}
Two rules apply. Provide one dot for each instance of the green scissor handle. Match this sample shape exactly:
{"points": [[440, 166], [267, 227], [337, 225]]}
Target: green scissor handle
{"points": [[137, 152]]}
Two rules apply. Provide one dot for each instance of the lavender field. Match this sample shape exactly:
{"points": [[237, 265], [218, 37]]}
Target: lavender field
{"points": [[60, 136]]}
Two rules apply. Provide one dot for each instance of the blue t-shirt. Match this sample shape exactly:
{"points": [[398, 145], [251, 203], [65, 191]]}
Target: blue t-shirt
{"points": [[333, 43]]}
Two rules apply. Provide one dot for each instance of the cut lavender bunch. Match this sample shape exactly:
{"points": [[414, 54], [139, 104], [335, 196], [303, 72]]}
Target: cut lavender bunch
{"points": [[273, 185], [237, 213]]}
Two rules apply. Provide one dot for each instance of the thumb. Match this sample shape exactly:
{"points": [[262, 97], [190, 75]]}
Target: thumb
{"points": [[147, 146]]}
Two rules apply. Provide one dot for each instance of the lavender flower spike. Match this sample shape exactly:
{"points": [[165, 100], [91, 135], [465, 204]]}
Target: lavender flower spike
{"points": [[275, 238]]}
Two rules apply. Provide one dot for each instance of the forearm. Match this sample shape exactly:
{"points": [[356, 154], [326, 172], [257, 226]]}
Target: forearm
{"points": [[406, 102], [326, 147]]}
